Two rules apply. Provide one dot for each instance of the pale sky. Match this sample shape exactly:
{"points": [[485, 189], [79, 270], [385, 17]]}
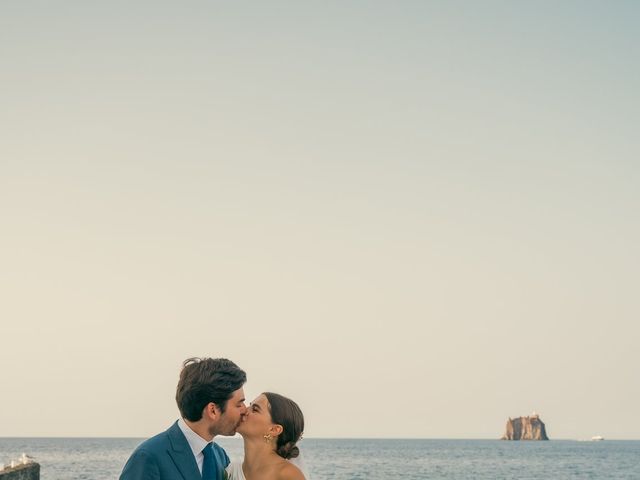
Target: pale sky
{"points": [[414, 218]]}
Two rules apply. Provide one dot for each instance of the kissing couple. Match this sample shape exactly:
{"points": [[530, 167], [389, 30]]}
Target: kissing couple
{"points": [[211, 401]]}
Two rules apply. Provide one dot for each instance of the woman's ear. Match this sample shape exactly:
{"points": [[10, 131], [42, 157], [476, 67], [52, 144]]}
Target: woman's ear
{"points": [[276, 430]]}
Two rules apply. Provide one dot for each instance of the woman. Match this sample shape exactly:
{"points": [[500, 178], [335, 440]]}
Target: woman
{"points": [[270, 429]]}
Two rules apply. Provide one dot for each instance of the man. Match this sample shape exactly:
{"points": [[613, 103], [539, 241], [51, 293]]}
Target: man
{"points": [[211, 402]]}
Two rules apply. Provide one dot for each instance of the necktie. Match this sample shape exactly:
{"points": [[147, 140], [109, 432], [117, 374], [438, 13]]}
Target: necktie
{"points": [[208, 464]]}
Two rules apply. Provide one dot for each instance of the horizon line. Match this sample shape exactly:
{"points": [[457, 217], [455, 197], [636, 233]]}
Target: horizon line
{"points": [[331, 438]]}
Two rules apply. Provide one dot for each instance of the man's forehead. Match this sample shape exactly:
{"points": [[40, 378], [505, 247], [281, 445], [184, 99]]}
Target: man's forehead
{"points": [[238, 395]]}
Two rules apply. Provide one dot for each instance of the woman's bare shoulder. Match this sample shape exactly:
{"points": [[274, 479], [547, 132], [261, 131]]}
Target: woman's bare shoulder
{"points": [[289, 471]]}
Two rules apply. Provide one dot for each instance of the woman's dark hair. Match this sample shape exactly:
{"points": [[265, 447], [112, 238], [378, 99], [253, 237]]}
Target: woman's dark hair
{"points": [[206, 380], [286, 413]]}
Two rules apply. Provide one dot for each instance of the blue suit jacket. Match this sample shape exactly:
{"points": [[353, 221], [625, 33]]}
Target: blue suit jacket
{"points": [[168, 456]]}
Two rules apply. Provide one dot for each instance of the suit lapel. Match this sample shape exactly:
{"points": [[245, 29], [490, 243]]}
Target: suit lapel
{"points": [[182, 455]]}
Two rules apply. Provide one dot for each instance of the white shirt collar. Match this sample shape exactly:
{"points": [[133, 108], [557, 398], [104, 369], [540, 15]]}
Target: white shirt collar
{"points": [[196, 442]]}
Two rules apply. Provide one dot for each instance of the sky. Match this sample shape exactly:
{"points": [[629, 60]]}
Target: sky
{"points": [[416, 219]]}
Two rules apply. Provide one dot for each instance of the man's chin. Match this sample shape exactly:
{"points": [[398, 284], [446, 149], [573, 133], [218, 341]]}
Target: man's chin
{"points": [[224, 433]]}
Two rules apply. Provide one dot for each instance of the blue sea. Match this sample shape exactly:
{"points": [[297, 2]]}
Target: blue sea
{"points": [[103, 458]]}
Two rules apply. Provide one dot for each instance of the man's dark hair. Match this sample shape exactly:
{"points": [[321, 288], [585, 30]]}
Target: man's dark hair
{"points": [[206, 380]]}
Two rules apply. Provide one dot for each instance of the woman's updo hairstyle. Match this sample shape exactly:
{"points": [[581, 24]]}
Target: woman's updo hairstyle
{"points": [[287, 414]]}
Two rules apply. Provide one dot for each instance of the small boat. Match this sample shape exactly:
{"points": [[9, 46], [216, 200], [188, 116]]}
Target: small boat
{"points": [[597, 438]]}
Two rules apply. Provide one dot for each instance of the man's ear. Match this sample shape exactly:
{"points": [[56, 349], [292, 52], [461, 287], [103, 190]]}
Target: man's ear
{"points": [[212, 411]]}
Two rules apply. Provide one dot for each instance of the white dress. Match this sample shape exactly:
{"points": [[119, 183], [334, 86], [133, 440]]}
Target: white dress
{"points": [[234, 470]]}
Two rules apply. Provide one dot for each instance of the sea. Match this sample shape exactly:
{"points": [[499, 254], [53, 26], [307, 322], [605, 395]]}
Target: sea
{"points": [[103, 458]]}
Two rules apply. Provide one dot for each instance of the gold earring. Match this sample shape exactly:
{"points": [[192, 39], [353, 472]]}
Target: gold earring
{"points": [[267, 437]]}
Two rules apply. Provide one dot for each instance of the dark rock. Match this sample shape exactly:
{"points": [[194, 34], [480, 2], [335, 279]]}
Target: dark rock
{"points": [[525, 428], [29, 471]]}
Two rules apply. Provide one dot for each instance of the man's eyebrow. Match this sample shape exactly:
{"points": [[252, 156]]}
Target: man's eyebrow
{"points": [[242, 400]]}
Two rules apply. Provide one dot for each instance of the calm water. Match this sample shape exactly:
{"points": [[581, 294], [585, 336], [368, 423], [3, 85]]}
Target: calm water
{"points": [[103, 458]]}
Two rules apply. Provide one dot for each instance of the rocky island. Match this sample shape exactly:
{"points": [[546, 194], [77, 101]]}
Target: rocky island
{"points": [[525, 428], [21, 471]]}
